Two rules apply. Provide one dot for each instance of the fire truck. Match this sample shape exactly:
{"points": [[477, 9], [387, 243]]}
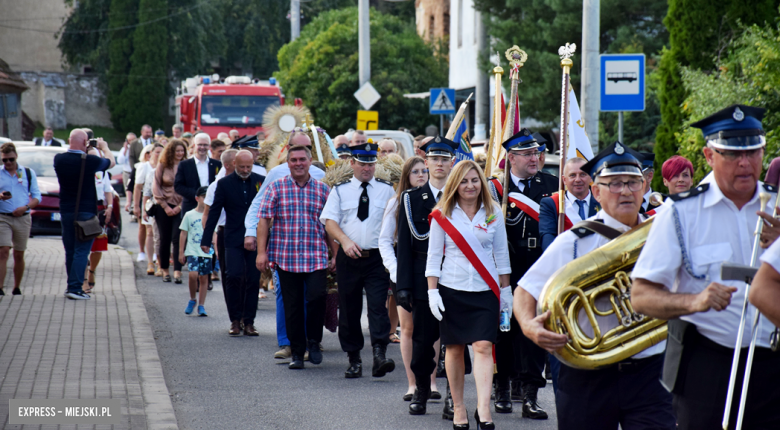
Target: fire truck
{"points": [[214, 105]]}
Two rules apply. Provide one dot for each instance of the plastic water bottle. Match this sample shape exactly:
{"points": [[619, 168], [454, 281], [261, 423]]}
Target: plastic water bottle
{"points": [[504, 324]]}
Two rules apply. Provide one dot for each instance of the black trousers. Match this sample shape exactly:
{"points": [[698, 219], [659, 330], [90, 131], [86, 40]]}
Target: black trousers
{"points": [[221, 256], [700, 396], [424, 336], [301, 325], [628, 394], [242, 284], [168, 226], [517, 357], [353, 276]]}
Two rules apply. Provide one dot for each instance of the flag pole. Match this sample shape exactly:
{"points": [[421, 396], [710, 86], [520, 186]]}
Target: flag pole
{"points": [[516, 57], [458, 118], [495, 128], [565, 52]]}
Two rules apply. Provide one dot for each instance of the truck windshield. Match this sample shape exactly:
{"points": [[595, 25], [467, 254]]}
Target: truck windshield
{"points": [[235, 110]]}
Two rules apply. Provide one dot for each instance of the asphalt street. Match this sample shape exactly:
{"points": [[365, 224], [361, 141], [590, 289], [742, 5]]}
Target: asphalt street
{"points": [[222, 382]]}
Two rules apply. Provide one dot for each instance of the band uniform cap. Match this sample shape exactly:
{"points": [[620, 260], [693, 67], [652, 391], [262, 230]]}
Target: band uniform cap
{"points": [[540, 139], [343, 149], [521, 141], [440, 146], [365, 153], [249, 141], [616, 159], [159, 133], [648, 158], [737, 127]]}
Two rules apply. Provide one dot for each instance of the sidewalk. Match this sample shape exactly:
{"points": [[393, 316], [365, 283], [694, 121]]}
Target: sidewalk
{"points": [[54, 348]]}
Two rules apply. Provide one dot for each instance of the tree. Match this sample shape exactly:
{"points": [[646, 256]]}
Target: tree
{"points": [[321, 67], [120, 48], [144, 99]]}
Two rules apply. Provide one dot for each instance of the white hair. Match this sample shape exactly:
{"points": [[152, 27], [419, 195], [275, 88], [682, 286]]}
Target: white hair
{"points": [[387, 139], [201, 136]]}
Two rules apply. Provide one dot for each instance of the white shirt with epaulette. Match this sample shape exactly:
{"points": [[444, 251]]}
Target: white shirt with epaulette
{"points": [[342, 207], [690, 241], [564, 249]]}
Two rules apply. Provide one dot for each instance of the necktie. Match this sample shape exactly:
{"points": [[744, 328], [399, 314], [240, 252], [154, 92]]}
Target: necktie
{"points": [[438, 196], [527, 186], [363, 205], [581, 204]]}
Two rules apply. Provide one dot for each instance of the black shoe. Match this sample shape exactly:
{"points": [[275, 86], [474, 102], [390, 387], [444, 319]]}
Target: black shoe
{"points": [[315, 354], [517, 391], [503, 402], [355, 369], [407, 397], [211, 285], [531, 408], [419, 400], [448, 413], [441, 371], [435, 395], [462, 426], [483, 425], [2, 293], [296, 363], [382, 364], [16, 292]]}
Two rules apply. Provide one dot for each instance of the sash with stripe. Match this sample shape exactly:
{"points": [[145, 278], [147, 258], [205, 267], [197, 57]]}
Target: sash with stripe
{"points": [[526, 204], [566, 222], [472, 249], [499, 187]]}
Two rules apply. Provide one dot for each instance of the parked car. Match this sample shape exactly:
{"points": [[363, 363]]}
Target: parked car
{"points": [[46, 216], [406, 139]]}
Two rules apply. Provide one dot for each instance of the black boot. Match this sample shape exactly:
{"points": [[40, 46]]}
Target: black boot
{"points": [[382, 364], [355, 369], [441, 371], [531, 408], [517, 391], [420, 399], [503, 402], [449, 407]]}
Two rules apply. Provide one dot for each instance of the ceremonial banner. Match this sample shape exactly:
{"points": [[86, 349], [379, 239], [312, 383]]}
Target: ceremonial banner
{"points": [[578, 143], [464, 145]]}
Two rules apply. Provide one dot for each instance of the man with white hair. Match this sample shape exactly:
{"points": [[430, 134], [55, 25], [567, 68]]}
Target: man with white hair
{"points": [[198, 171], [233, 135], [386, 147], [177, 131]]}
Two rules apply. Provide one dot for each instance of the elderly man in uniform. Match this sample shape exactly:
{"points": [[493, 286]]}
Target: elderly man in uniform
{"points": [[353, 217], [626, 394], [677, 278], [517, 358]]}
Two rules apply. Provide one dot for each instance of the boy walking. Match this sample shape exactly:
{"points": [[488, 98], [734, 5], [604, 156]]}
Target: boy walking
{"points": [[198, 262]]}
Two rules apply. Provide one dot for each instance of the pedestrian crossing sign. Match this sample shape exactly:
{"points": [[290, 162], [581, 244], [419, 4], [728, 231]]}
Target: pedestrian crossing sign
{"points": [[442, 101]]}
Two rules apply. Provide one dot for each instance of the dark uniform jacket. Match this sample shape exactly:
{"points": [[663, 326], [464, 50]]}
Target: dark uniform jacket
{"points": [[187, 181], [525, 242], [416, 204], [234, 195]]}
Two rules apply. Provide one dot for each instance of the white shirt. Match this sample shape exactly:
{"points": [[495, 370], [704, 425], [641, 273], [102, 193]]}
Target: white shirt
{"points": [[772, 256], [209, 200], [573, 209], [342, 207], [103, 186], [141, 171], [516, 180], [646, 198], [713, 231], [560, 253], [388, 238], [457, 272], [122, 159], [203, 171], [46, 142]]}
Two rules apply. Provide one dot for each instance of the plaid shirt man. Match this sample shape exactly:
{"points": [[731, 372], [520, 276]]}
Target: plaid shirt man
{"points": [[297, 243]]}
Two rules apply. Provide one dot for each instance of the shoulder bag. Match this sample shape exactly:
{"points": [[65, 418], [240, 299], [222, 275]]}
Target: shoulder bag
{"points": [[88, 229]]}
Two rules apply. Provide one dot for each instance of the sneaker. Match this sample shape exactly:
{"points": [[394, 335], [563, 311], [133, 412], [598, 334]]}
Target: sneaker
{"points": [[202, 311], [190, 307], [315, 354], [77, 295], [141, 256], [283, 353]]}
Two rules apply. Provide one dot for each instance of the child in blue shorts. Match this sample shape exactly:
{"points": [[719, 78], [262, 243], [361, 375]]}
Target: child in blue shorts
{"points": [[198, 262]]}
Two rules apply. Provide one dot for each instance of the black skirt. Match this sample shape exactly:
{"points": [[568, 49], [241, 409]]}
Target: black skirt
{"points": [[468, 316]]}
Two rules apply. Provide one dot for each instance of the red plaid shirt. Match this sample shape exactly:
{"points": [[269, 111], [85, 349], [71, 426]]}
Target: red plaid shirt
{"points": [[297, 243]]}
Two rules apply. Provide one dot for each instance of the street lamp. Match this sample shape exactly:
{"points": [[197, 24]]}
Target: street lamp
{"points": [[364, 41]]}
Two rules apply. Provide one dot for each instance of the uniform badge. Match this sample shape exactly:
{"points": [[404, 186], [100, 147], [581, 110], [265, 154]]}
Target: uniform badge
{"points": [[738, 114], [513, 205], [368, 147], [619, 149], [438, 139], [364, 199], [425, 196], [538, 179]]}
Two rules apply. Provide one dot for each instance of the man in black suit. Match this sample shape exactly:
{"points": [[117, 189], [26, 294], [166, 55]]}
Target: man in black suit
{"points": [[198, 171], [47, 139], [234, 194]]}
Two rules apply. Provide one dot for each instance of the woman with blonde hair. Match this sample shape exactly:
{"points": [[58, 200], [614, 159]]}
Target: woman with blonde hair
{"points": [[413, 174], [168, 206], [469, 290]]}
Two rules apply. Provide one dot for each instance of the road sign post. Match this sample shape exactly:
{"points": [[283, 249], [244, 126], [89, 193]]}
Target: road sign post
{"points": [[622, 85], [442, 101]]}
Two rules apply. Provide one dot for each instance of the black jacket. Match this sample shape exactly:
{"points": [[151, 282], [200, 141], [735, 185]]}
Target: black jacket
{"points": [[54, 141], [234, 195], [187, 181], [412, 253]]}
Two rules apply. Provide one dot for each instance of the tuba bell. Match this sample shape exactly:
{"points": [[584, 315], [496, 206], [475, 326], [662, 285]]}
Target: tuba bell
{"points": [[589, 301]]}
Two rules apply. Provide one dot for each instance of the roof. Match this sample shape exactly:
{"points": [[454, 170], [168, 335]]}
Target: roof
{"points": [[10, 81]]}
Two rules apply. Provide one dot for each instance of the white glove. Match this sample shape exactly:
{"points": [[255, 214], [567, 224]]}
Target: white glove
{"points": [[435, 303], [506, 299]]}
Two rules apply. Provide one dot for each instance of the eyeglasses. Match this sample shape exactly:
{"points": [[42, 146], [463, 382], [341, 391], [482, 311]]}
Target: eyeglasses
{"points": [[419, 172], [9, 160], [616, 187], [736, 155], [528, 155]]}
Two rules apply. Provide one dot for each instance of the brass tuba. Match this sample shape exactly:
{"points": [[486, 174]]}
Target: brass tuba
{"points": [[589, 300]]}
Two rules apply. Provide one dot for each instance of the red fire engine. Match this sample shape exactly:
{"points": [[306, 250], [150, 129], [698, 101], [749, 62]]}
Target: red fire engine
{"points": [[213, 106]]}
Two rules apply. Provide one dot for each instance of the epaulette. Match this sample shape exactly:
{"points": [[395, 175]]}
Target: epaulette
{"points": [[384, 182], [343, 182], [582, 232], [690, 193], [769, 188]]}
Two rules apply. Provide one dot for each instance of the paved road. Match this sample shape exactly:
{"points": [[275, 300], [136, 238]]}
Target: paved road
{"points": [[218, 381]]}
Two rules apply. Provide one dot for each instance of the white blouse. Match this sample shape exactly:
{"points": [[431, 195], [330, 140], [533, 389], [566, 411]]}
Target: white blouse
{"points": [[388, 237], [457, 272]]}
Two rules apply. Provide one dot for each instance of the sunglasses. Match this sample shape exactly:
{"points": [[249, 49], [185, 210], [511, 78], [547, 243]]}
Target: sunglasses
{"points": [[9, 160]]}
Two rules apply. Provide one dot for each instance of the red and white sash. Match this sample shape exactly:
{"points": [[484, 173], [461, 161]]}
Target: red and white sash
{"points": [[472, 249], [566, 221], [526, 204], [499, 187]]}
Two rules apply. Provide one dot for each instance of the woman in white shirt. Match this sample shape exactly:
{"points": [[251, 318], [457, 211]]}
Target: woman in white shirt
{"points": [[463, 291], [413, 174], [144, 177]]}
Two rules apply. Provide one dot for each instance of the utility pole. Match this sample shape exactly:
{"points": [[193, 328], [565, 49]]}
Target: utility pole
{"points": [[295, 19], [589, 93], [482, 111], [364, 43]]}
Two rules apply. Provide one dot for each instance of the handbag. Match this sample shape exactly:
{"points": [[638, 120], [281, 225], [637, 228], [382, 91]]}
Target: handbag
{"points": [[88, 229]]}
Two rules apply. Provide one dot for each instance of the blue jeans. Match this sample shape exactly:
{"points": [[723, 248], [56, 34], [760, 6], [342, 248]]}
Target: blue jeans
{"points": [[76, 251], [281, 326]]}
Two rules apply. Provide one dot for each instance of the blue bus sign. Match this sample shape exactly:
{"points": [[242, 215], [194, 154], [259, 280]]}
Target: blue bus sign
{"points": [[622, 82]]}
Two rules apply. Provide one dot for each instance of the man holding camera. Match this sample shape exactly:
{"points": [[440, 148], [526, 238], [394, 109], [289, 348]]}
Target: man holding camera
{"points": [[68, 167], [19, 194]]}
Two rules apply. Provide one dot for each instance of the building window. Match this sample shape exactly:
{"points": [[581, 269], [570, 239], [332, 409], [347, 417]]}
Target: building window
{"points": [[431, 26], [446, 24], [460, 23]]}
